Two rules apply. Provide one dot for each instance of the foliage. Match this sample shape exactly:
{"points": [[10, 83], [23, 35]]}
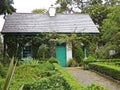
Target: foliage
{"points": [[91, 58], [63, 6], [39, 11], [6, 7], [94, 87], [54, 82], [70, 5], [112, 2], [89, 61], [1, 66], [30, 62], [9, 75], [1, 83], [78, 54], [3, 71], [27, 74], [74, 85], [53, 60], [42, 51], [110, 31], [97, 12], [71, 63], [107, 69]]}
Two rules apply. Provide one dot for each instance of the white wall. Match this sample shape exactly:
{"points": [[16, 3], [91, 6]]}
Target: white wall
{"points": [[69, 51]]}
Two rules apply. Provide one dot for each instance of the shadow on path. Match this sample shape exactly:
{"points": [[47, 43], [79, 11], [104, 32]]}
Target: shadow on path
{"points": [[86, 77]]}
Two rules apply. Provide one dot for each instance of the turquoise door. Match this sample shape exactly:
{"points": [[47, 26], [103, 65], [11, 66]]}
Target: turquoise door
{"points": [[61, 55]]}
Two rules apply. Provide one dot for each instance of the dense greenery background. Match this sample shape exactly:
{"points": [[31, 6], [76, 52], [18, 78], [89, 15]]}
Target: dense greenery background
{"points": [[105, 15]]}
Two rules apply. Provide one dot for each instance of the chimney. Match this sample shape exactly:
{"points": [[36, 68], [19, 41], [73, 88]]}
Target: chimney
{"points": [[52, 11]]}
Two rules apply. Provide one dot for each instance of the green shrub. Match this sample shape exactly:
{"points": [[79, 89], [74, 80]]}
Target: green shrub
{"points": [[53, 60], [71, 63], [94, 87], [74, 85], [55, 82], [109, 60], [30, 61], [27, 74], [78, 54], [3, 71], [91, 58], [107, 69]]}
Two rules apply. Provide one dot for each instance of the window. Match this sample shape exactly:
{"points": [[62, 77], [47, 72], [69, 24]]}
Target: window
{"points": [[27, 52]]}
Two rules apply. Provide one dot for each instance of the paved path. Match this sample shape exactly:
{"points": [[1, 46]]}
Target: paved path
{"points": [[86, 77]]}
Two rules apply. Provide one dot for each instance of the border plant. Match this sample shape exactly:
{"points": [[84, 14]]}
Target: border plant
{"points": [[107, 69]]}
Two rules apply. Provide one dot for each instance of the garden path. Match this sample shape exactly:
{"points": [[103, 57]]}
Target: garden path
{"points": [[86, 77]]}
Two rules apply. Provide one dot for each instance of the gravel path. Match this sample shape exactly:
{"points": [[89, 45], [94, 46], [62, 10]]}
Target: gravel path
{"points": [[86, 77]]}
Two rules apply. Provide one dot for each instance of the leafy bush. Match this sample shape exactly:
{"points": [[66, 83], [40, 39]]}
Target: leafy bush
{"points": [[107, 69], [3, 71], [91, 58], [72, 63], [94, 87], [42, 51], [31, 62], [55, 82], [53, 60], [27, 74], [78, 54], [108, 61], [74, 85]]}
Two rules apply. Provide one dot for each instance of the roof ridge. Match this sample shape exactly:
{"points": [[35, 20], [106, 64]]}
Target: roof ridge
{"points": [[56, 14]]}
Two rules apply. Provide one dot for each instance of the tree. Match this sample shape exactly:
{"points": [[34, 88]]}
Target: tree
{"points": [[6, 7], [111, 30], [97, 12], [40, 11], [95, 2], [70, 5], [112, 2]]}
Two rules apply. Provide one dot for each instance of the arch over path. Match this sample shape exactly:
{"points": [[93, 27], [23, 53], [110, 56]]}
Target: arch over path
{"points": [[86, 77]]}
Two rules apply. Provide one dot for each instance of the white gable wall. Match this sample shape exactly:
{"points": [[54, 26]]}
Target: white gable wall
{"points": [[69, 51]]}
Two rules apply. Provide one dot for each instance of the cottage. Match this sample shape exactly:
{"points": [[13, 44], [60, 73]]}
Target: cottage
{"points": [[29, 23]]}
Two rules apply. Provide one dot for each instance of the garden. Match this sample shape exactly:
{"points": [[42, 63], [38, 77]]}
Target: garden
{"points": [[41, 71], [36, 75]]}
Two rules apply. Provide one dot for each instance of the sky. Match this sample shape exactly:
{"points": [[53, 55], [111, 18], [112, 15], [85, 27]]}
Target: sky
{"points": [[26, 6]]}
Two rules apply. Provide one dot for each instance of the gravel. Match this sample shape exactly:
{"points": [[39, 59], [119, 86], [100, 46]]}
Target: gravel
{"points": [[86, 77]]}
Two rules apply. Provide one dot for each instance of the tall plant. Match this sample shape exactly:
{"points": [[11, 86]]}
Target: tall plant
{"points": [[9, 74]]}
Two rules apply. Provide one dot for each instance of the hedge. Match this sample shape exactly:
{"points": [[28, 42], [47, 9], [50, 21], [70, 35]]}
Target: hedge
{"points": [[86, 62], [75, 84], [69, 79], [110, 70]]}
